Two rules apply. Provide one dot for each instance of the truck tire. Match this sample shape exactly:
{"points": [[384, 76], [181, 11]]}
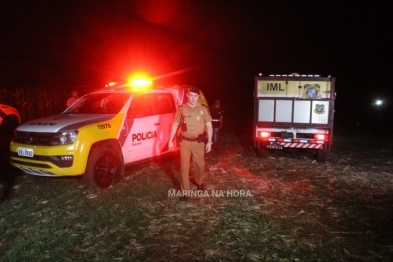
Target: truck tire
{"points": [[262, 152], [104, 167], [321, 155]]}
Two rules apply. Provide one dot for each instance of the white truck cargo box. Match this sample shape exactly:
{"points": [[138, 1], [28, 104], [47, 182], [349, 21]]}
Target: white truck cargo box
{"points": [[294, 111]]}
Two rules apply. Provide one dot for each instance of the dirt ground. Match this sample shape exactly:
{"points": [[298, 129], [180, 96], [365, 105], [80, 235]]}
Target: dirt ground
{"points": [[7, 173], [343, 207]]}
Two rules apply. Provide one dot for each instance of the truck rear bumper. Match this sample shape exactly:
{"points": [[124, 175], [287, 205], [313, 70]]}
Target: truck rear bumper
{"points": [[290, 144], [278, 143]]}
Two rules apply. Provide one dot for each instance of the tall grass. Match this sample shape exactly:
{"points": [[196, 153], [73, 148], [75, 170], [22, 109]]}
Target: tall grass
{"points": [[39, 101]]}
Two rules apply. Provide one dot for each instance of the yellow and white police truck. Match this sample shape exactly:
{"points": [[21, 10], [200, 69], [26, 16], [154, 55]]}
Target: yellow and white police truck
{"points": [[294, 112], [98, 135]]}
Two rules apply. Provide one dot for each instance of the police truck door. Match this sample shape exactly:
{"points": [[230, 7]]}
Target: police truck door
{"points": [[142, 131], [164, 107]]}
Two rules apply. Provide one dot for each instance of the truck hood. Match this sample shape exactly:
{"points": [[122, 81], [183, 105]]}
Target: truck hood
{"points": [[62, 122]]}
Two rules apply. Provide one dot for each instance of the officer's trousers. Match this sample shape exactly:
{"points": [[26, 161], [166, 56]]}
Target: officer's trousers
{"points": [[215, 137], [195, 151]]}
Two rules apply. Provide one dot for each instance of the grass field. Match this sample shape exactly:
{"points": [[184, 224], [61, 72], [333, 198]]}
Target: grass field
{"points": [[295, 209]]}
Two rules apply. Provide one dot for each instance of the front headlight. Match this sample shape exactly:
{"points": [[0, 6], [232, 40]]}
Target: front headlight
{"points": [[64, 138]]}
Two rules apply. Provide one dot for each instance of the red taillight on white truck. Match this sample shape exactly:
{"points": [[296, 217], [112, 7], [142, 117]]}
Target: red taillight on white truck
{"points": [[320, 137], [263, 134]]}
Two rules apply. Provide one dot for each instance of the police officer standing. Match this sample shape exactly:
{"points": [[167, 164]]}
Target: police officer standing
{"points": [[217, 114], [192, 118]]}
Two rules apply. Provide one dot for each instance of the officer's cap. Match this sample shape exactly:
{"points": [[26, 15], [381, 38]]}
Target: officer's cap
{"points": [[195, 90]]}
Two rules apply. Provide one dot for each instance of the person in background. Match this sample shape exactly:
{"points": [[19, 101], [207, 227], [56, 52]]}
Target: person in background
{"points": [[217, 114], [73, 98], [192, 119]]}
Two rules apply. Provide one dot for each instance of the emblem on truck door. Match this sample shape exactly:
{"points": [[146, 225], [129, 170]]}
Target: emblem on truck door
{"points": [[312, 91], [319, 109]]}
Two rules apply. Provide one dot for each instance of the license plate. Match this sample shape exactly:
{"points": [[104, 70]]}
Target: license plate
{"points": [[22, 151], [274, 146]]}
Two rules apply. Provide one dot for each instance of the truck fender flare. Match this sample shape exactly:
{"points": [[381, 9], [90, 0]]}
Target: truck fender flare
{"points": [[113, 143]]}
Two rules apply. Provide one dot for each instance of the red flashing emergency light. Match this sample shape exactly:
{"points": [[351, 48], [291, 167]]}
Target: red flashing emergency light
{"points": [[135, 82], [139, 80], [111, 85]]}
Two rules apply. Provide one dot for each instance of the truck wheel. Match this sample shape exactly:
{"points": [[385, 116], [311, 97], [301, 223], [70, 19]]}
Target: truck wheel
{"points": [[321, 155], [262, 153], [104, 167]]}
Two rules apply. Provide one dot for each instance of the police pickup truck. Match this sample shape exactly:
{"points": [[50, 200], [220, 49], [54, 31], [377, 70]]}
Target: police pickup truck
{"points": [[99, 134]]}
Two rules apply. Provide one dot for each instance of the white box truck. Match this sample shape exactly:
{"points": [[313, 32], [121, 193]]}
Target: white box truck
{"points": [[294, 112]]}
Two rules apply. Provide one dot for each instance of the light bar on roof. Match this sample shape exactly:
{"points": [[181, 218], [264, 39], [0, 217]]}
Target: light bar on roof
{"points": [[297, 75]]}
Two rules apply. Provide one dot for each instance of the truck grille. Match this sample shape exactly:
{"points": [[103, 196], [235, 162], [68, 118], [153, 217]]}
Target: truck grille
{"points": [[30, 138]]}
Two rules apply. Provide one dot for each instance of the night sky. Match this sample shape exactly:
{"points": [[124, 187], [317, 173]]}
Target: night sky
{"points": [[218, 46]]}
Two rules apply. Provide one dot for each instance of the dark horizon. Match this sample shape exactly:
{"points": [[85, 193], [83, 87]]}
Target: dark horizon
{"points": [[218, 46]]}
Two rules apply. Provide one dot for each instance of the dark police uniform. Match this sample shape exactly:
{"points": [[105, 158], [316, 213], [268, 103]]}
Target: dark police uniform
{"points": [[216, 114], [192, 121]]}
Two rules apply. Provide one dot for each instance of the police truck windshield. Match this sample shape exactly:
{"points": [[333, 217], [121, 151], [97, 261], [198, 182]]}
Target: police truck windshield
{"points": [[102, 103]]}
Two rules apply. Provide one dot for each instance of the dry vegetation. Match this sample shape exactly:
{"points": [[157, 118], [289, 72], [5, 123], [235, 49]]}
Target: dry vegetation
{"points": [[299, 210], [33, 103]]}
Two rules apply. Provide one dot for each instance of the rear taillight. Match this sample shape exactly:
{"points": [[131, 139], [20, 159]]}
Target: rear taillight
{"points": [[321, 137], [263, 134]]}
